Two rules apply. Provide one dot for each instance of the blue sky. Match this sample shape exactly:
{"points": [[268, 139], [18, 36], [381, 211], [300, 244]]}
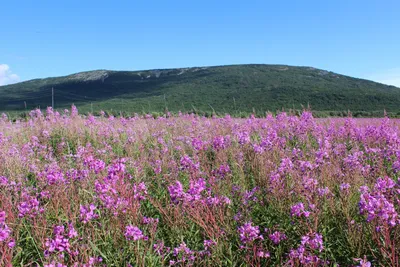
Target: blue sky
{"points": [[52, 38]]}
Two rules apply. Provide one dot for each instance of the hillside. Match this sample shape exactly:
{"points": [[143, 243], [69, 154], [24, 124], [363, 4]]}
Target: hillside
{"points": [[235, 88]]}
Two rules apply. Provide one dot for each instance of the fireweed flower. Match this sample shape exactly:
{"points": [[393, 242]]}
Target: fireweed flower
{"points": [[157, 166], [183, 256], [263, 254], [5, 231], [243, 138], [222, 171], [208, 244], [139, 191], [310, 184], [54, 264], [53, 175], [313, 241], [61, 241], [344, 187], [74, 111], [29, 206], [250, 197], [197, 192], [208, 247], [218, 201], [176, 192], [377, 206], [94, 260], [88, 213], [305, 253], [109, 196], [196, 187], [95, 165], [363, 262], [72, 233], [116, 170], [11, 244], [76, 175], [187, 164], [286, 165], [198, 144], [249, 233], [3, 181], [160, 249], [150, 221], [324, 191], [258, 149], [384, 184], [298, 210], [276, 237], [306, 166], [134, 233], [221, 142]]}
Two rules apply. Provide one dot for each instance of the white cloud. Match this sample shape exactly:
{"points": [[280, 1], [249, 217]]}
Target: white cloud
{"points": [[6, 75], [391, 77]]}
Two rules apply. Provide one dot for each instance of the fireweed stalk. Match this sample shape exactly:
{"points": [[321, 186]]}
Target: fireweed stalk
{"points": [[187, 190]]}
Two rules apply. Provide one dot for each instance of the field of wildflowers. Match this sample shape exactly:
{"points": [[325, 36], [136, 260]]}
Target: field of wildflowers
{"points": [[192, 191]]}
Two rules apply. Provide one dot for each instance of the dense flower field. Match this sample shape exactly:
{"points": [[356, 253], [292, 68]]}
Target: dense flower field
{"points": [[194, 191]]}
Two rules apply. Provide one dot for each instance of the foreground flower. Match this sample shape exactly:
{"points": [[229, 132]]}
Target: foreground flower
{"points": [[249, 233], [4, 229], [277, 237], [87, 213], [306, 252], [298, 210], [134, 233]]}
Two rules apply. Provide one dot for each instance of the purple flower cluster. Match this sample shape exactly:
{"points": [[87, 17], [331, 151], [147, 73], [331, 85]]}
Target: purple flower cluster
{"points": [[305, 253], [5, 231], [53, 175], [249, 233], [60, 243], [243, 137], [377, 204], [88, 213], [110, 197], [134, 233], [183, 256], [221, 142], [160, 249], [96, 165], [197, 192], [55, 264], [188, 164], [29, 206], [298, 210], [344, 187], [139, 191], [363, 262], [198, 144], [276, 237]]}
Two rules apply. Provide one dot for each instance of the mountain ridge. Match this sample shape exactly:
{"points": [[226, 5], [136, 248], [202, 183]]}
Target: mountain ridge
{"points": [[225, 88], [197, 67]]}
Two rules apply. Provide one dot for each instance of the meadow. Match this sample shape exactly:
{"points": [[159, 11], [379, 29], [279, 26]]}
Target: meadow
{"points": [[188, 190]]}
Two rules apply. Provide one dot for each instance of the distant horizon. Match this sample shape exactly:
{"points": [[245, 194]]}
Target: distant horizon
{"points": [[204, 66]]}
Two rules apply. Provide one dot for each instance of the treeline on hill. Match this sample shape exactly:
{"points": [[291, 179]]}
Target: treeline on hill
{"points": [[239, 90], [316, 114]]}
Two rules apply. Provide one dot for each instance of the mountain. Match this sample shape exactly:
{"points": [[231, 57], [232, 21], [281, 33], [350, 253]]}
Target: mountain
{"points": [[231, 89]]}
